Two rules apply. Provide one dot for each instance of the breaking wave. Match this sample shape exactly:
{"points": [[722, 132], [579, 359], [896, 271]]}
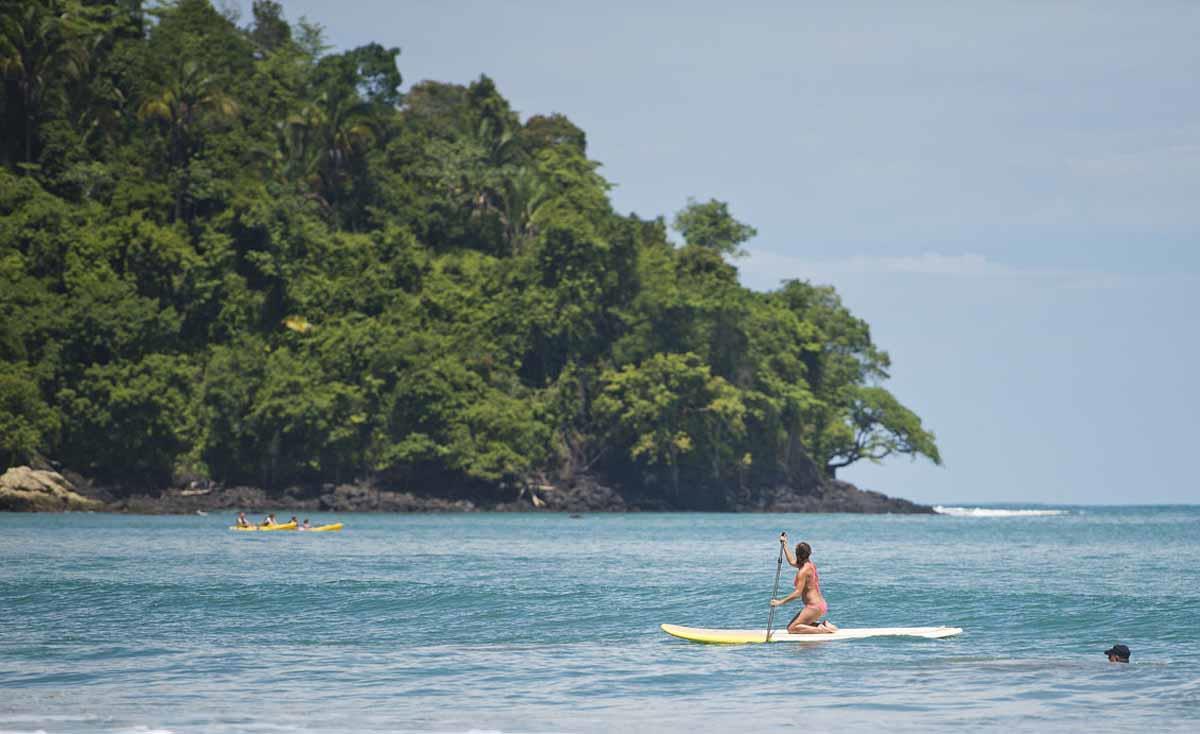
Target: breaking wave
{"points": [[993, 512]]}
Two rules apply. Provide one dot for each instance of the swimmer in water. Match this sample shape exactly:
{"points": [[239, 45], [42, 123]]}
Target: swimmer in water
{"points": [[1118, 654]]}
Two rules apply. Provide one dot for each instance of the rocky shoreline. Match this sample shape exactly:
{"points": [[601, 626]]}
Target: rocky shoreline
{"points": [[23, 489]]}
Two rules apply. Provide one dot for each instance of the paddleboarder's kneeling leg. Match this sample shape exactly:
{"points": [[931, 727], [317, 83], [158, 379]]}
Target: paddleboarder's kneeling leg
{"points": [[805, 623]]}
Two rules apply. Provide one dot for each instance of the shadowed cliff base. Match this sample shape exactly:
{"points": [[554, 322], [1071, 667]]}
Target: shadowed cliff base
{"points": [[583, 494]]}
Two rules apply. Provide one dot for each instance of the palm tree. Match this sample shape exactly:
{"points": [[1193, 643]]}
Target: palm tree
{"points": [[501, 146], [343, 129], [41, 42], [299, 152], [186, 104], [522, 197], [494, 180], [317, 142]]}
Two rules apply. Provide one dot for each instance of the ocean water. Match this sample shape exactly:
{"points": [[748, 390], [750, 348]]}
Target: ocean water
{"points": [[548, 623]]}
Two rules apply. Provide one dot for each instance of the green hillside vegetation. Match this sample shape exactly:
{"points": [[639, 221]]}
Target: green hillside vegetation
{"points": [[228, 252]]}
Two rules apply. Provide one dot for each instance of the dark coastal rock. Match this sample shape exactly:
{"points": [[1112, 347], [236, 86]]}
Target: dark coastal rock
{"points": [[835, 496], [589, 494], [584, 493], [801, 488], [367, 498], [204, 499]]}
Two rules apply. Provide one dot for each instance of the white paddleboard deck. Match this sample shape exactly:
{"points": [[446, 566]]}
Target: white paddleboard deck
{"points": [[742, 637]]}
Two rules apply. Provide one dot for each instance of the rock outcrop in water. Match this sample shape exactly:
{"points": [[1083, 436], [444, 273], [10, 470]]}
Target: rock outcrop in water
{"points": [[837, 496], [23, 489]]}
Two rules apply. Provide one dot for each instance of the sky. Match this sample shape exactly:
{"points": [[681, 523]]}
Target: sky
{"points": [[1006, 192]]}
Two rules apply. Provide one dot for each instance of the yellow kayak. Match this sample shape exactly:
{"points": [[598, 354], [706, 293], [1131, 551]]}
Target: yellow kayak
{"points": [[265, 528], [332, 527]]}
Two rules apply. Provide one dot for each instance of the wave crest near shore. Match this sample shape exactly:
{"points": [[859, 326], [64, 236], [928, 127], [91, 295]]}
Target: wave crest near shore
{"points": [[994, 512]]}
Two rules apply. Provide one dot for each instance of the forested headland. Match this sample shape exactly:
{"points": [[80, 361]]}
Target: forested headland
{"points": [[230, 255]]}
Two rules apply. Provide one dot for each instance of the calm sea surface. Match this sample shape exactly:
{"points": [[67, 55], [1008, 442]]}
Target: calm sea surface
{"points": [[545, 623]]}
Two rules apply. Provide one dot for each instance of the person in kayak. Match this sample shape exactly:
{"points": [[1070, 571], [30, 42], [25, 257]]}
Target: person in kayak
{"points": [[305, 526], [242, 522], [807, 586], [294, 521], [269, 521]]}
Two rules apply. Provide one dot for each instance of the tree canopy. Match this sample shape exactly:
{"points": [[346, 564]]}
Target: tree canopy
{"points": [[228, 252]]}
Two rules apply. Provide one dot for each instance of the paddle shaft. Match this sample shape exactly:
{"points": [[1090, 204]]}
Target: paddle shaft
{"points": [[775, 590]]}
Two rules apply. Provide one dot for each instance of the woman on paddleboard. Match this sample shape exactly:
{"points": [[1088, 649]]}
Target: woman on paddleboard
{"points": [[807, 586]]}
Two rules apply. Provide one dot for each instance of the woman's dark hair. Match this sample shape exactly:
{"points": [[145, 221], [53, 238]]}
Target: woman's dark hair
{"points": [[803, 551]]}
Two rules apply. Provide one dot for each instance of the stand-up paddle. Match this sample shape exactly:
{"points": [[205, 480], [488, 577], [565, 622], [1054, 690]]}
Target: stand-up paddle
{"points": [[775, 588]]}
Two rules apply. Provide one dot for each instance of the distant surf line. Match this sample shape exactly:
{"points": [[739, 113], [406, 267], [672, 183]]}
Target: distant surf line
{"points": [[993, 512]]}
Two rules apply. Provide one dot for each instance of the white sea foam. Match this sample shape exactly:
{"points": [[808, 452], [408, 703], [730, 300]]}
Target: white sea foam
{"points": [[993, 512]]}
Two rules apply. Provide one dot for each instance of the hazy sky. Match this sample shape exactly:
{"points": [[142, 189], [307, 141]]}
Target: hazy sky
{"points": [[1005, 192]]}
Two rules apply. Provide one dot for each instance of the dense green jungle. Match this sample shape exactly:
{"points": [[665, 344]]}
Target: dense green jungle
{"points": [[232, 254]]}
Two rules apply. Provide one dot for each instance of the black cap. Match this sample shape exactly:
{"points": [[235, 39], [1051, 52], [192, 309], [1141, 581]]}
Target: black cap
{"points": [[1120, 651]]}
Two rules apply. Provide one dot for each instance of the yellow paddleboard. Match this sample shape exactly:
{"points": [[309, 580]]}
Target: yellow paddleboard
{"points": [[332, 527], [742, 637]]}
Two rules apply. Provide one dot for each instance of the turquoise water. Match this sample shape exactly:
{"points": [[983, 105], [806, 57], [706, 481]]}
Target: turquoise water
{"points": [[540, 623]]}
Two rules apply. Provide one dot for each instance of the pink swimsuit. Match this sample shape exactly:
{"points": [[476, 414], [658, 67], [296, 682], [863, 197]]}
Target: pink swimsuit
{"points": [[823, 607]]}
